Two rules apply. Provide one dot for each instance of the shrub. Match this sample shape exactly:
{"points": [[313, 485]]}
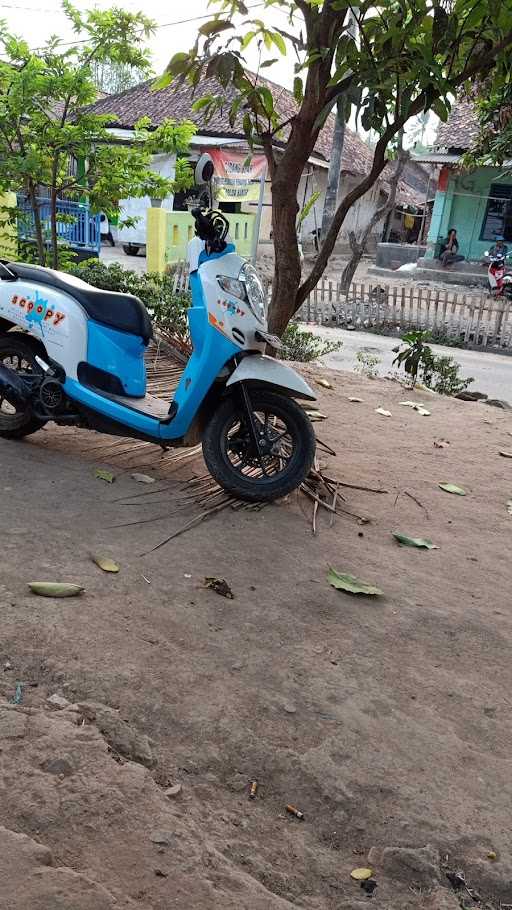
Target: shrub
{"points": [[367, 364], [439, 373], [304, 346], [168, 309]]}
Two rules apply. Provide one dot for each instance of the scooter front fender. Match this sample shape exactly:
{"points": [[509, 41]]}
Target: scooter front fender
{"points": [[267, 371]]}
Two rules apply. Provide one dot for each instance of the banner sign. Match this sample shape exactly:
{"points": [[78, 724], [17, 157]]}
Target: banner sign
{"points": [[235, 175]]}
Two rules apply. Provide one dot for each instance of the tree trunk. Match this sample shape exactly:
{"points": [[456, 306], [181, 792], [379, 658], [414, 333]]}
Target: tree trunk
{"points": [[334, 176], [358, 246], [38, 228], [287, 269], [53, 228], [351, 266]]}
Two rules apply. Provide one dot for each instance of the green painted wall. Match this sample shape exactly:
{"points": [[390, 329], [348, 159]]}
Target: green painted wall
{"points": [[464, 212]]}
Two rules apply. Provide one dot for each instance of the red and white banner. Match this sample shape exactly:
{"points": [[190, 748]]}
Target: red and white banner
{"points": [[235, 175]]}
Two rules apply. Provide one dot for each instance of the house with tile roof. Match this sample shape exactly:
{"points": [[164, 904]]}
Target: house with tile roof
{"points": [[176, 102], [478, 203]]}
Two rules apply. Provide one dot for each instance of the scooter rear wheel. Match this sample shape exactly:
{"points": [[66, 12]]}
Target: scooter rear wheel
{"points": [[19, 356], [281, 460]]}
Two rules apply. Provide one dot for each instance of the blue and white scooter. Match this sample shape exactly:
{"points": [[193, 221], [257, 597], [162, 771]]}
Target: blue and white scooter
{"points": [[80, 361]]}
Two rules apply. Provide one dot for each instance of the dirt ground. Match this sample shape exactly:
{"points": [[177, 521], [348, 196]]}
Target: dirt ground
{"points": [[386, 721]]}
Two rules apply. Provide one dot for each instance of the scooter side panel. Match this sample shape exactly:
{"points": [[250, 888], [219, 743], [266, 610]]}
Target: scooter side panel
{"points": [[118, 353], [143, 423], [213, 351], [48, 314]]}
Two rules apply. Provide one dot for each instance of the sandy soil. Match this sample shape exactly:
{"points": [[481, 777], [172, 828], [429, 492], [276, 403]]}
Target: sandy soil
{"points": [[386, 721]]}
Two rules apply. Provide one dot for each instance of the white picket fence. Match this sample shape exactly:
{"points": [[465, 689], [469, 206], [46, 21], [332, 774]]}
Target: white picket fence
{"points": [[475, 320]]}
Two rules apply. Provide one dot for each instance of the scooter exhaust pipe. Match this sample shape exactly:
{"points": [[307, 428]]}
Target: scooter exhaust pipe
{"points": [[13, 388]]}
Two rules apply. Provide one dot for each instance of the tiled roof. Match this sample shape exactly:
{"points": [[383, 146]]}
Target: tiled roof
{"points": [[461, 128], [176, 102]]}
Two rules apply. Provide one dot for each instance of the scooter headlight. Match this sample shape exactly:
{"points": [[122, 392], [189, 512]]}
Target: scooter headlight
{"points": [[232, 286], [247, 287], [254, 290]]}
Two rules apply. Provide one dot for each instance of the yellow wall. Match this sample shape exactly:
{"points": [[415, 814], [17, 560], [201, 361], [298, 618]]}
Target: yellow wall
{"points": [[168, 234], [8, 242]]}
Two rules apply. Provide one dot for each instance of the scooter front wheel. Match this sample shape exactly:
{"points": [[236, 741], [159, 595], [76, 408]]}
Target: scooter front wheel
{"points": [[263, 453]]}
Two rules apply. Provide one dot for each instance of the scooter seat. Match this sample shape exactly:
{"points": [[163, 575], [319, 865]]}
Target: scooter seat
{"points": [[119, 311]]}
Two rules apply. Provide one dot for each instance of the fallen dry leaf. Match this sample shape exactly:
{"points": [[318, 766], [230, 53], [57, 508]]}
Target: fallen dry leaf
{"points": [[441, 443], [103, 562], [107, 476], [316, 415], [419, 542], [220, 586], [323, 382], [345, 582], [143, 478], [54, 589], [506, 454], [357, 400], [360, 875], [509, 507], [452, 488], [383, 412]]}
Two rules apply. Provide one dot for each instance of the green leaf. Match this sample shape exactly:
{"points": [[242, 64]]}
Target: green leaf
{"points": [[298, 89], [268, 63], [107, 476], [214, 27], [103, 562], [420, 542], [279, 42], [246, 40], [451, 488], [54, 589], [345, 582]]}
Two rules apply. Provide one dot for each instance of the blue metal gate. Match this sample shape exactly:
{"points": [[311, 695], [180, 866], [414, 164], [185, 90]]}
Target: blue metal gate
{"points": [[75, 225]]}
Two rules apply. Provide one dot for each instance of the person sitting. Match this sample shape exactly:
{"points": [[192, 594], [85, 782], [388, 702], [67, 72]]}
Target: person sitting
{"points": [[450, 249], [499, 249]]}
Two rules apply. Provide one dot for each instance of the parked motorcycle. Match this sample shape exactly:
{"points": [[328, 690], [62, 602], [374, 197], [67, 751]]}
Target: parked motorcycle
{"points": [[500, 283], [80, 361]]}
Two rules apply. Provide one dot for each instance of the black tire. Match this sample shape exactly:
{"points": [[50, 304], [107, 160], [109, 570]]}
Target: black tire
{"points": [[18, 355], [292, 454]]}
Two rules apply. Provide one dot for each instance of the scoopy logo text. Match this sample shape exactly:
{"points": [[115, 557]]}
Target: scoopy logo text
{"points": [[38, 310]]}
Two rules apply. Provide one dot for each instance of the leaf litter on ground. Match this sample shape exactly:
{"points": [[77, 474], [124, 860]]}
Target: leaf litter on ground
{"points": [[417, 406], [343, 581], [360, 875], [220, 586], [383, 412], [107, 476], [103, 562], [55, 589], [316, 415], [506, 454], [509, 507], [419, 542], [143, 478], [441, 443], [356, 400], [452, 488], [323, 382]]}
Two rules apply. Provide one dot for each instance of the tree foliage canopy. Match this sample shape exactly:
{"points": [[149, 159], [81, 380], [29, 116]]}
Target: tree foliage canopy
{"points": [[404, 58], [52, 144]]}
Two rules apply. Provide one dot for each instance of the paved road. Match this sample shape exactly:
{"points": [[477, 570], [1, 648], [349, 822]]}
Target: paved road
{"points": [[492, 372]]}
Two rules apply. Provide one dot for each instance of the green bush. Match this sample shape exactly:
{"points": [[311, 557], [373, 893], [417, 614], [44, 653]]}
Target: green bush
{"points": [[167, 308], [304, 346], [367, 364], [439, 373]]}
